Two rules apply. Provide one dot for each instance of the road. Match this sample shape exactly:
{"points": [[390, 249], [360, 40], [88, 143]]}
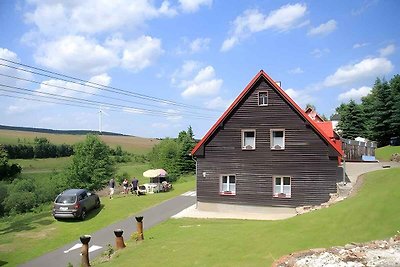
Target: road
{"points": [[70, 253]]}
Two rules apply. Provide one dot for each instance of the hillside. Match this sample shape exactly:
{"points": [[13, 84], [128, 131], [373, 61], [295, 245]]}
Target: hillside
{"points": [[132, 144]]}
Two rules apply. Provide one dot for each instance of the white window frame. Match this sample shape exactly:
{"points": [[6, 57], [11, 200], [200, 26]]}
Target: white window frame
{"points": [[273, 146], [258, 100], [221, 187], [253, 147], [282, 193]]}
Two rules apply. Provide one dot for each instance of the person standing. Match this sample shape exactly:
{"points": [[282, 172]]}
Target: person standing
{"points": [[125, 185], [112, 185], [135, 183]]}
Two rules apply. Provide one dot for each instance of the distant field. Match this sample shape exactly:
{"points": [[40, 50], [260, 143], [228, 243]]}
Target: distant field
{"points": [[132, 144], [384, 153], [42, 165]]}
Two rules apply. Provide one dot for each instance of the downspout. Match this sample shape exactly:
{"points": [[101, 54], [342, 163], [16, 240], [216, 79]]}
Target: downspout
{"points": [[195, 177]]}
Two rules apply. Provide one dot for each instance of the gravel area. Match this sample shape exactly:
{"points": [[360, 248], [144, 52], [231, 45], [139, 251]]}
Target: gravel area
{"points": [[376, 253]]}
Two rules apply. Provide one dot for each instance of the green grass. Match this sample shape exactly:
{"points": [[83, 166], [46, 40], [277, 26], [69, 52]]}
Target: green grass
{"points": [[372, 214], [384, 153], [24, 237], [42, 165]]}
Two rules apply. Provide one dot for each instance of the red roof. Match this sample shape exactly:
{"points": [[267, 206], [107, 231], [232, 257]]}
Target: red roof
{"points": [[259, 75]]}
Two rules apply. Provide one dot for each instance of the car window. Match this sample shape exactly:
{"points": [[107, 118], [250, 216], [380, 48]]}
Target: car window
{"points": [[84, 195], [66, 199]]}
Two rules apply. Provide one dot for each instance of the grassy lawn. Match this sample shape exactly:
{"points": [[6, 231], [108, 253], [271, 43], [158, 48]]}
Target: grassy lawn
{"points": [[42, 165], [384, 153], [27, 236], [372, 214]]}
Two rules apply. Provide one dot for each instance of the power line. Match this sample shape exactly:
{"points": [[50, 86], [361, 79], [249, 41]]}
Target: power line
{"points": [[103, 87], [97, 103], [84, 92]]}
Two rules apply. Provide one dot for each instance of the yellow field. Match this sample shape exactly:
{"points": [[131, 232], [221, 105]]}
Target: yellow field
{"points": [[132, 144]]}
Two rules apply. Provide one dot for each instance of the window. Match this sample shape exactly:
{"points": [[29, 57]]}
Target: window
{"points": [[249, 139], [277, 139], [228, 185], [263, 98], [282, 186]]}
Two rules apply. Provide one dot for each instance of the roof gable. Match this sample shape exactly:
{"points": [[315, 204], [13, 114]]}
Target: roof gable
{"points": [[279, 90]]}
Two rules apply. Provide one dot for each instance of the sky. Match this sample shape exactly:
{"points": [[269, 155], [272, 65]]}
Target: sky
{"points": [[152, 68]]}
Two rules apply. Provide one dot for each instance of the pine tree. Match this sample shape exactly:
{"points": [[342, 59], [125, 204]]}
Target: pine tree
{"points": [[383, 109], [395, 95], [351, 122]]}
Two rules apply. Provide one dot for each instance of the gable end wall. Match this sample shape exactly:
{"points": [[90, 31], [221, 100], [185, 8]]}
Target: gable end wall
{"points": [[305, 158]]}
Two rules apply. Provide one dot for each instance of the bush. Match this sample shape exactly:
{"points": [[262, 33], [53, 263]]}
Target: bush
{"points": [[20, 202]]}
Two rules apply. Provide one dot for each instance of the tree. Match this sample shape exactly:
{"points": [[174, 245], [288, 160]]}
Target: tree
{"points": [[92, 165], [395, 95], [174, 154], [186, 143], [383, 109], [351, 122], [309, 105], [7, 171]]}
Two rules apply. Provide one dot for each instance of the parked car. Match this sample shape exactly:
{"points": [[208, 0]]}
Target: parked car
{"points": [[75, 203]]}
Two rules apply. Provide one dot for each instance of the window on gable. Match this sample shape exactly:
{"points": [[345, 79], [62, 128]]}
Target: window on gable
{"points": [[263, 98], [228, 185], [282, 186], [248, 139], [277, 139]]}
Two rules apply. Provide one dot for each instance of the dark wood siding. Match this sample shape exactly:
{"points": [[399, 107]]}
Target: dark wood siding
{"points": [[306, 157]]}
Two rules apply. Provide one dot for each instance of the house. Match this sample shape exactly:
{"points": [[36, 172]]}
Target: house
{"points": [[265, 151]]}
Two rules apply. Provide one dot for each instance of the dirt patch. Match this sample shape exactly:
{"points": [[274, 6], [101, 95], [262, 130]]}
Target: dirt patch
{"points": [[5, 248], [357, 185], [36, 235], [375, 253]]}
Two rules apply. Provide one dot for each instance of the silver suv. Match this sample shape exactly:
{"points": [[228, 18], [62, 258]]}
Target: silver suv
{"points": [[75, 203]]}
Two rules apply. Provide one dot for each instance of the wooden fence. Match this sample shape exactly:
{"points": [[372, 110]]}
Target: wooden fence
{"points": [[355, 150]]}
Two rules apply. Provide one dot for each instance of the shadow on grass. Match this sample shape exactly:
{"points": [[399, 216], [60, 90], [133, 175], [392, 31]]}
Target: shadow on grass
{"points": [[90, 215], [3, 263], [26, 222]]}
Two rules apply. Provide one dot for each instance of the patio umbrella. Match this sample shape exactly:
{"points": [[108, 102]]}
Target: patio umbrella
{"points": [[155, 173]]}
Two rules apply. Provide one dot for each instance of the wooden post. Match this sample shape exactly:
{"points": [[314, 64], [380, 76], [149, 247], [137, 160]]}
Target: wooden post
{"points": [[119, 239], [85, 250], [139, 227]]}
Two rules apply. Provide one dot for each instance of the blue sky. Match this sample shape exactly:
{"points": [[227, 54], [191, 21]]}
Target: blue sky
{"points": [[192, 56]]}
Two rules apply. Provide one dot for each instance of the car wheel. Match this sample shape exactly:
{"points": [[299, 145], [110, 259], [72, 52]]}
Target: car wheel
{"points": [[97, 204], [83, 214]]}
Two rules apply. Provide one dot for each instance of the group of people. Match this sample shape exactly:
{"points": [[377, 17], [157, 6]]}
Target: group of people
{"points": [[133, 186]]}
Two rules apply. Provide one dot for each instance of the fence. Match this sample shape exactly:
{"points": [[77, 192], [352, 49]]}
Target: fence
{"points": [[355, 150]]}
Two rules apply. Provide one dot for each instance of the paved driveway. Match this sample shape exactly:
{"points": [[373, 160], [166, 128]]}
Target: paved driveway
{"points": [[355, 169], [98, 243]]}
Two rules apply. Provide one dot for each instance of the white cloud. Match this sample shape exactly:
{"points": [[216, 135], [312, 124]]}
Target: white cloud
{"points": [[188, 68], [355, 94], [297, 70], [190, 6], [12, 56], [54, 88], [218, 103], [365, 6], [199, 44], [324, 28], [300, 97], [388, 50], [141, 53], [317, 53], [93, 16], [203, 84], [251, 21], [359, 45], [74, 53], [78, 54], [366, 69]]}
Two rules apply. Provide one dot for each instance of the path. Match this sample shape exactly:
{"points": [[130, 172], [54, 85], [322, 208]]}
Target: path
{"points": [[152, 216]]}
